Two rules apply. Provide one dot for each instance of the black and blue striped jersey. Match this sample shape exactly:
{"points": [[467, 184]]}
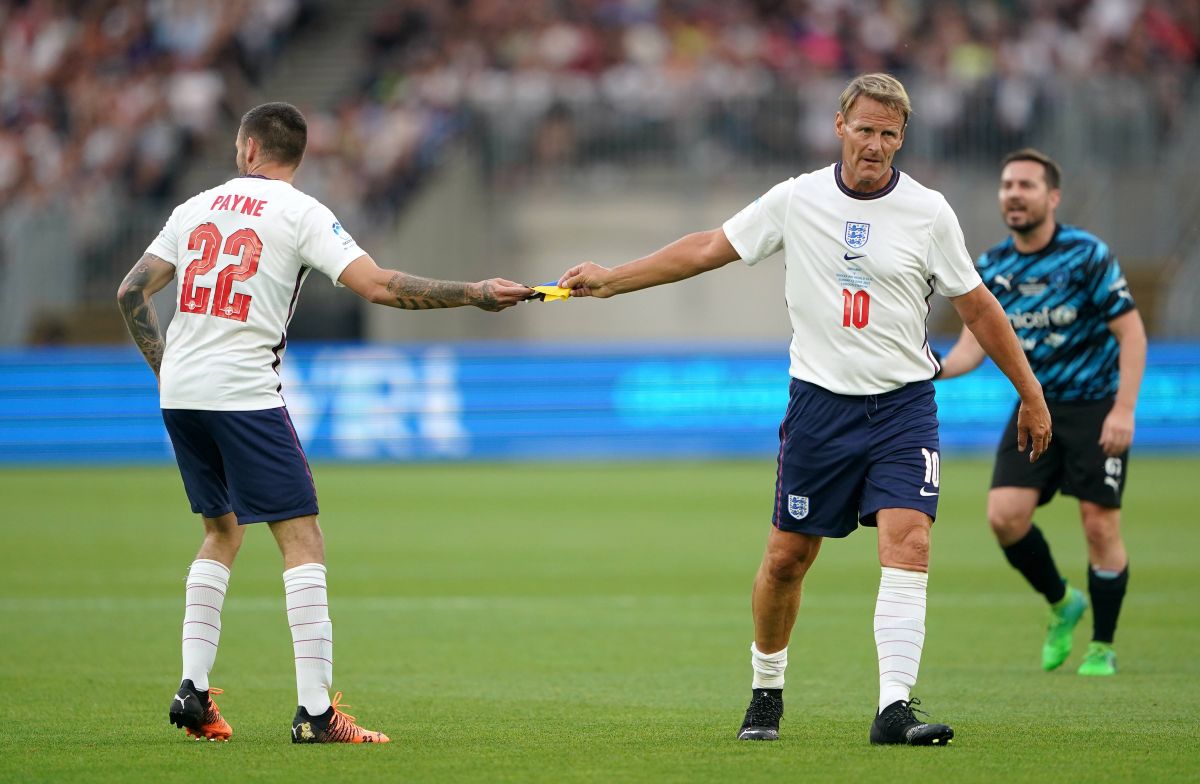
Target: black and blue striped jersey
{"points": [[1060, 300]]}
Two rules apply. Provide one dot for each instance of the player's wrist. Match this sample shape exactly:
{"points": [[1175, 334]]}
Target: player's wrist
{"points": [[1032, 395]]}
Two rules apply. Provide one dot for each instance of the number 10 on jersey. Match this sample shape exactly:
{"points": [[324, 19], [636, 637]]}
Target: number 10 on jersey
{"points": [[856, 308]]}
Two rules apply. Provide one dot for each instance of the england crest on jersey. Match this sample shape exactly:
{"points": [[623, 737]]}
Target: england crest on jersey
{"points": [[798, 506], [857, 233]]}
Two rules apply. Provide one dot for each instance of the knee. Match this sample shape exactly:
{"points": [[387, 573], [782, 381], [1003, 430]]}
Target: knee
{"points": [[225, 540], [787, 566], [1007, 524], [1101, 525], [908, 550]]}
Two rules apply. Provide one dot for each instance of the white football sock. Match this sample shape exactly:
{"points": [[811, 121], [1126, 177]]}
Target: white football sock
{"points": [[768, 668], [899, 632], [207, 582], [312, 635]]}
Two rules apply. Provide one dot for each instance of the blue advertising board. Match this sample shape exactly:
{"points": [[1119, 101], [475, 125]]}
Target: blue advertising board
{"points": [[507, 401]]}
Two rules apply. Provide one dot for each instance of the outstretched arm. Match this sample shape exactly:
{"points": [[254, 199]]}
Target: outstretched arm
{"points": [[683, 258], [963, 357], [146, 278], [411, 292], [1116, 434], [984, 317]]}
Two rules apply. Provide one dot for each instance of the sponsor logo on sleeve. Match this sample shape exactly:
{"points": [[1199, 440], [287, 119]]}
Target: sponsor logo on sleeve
{"points": [[342, 234]]}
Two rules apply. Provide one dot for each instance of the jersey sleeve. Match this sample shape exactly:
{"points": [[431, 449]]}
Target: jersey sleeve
{"points": [[166, 244], [1110, 293], [948, 261], [757, 231], [323, 243]]}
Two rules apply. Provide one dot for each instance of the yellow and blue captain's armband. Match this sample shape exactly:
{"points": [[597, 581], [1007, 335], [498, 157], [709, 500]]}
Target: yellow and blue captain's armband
{"points": [[550, 292]]}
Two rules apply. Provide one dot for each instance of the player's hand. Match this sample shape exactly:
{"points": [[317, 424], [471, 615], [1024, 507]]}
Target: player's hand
{"points": [[587, 280], [496, 294], [1116, 434], [1033, 425]]}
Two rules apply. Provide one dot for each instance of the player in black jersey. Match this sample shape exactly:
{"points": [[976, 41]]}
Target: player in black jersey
{"points": [[1070, 305]]}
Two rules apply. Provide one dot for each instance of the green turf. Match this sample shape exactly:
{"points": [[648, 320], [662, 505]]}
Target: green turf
{"points": [[576, 623]]}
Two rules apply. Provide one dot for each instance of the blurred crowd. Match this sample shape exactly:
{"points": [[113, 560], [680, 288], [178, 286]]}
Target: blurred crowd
{"points": [[103, 100], [111, 94], [561, 82], [103, 103]]}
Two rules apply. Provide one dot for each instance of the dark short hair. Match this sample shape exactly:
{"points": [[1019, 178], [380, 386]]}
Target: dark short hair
{"points": [[280, 129], [1052, 171]]}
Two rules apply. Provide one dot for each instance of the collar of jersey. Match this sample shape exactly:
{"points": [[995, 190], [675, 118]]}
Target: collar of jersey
{"points": [[891, 186], [1058, 227]]}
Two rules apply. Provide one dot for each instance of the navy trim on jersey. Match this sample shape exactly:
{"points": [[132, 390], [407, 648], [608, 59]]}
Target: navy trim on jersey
{"points": [[925, 346], [1060, 300], [891, 186], [282, 344]]}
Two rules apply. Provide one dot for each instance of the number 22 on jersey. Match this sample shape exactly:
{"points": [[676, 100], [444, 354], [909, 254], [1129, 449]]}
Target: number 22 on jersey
{"points": [[856, 308], [244, 245]]}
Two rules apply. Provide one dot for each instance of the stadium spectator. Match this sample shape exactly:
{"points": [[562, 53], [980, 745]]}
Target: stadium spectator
{"points": [[859, 441], [636, 77], [101, 102], [237, 451], [1071, 307], [546, 86]]}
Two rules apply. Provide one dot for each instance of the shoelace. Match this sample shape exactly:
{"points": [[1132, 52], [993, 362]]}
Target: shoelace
{"points": [[906, 714], [213, 711], [763, 710], [342, 726]]}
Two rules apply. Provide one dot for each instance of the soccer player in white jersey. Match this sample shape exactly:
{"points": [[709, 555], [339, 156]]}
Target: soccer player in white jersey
{"points": [[864, 246], [239, 254]]}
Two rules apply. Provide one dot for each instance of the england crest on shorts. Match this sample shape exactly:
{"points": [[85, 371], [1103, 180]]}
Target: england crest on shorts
{"points": [[857, 233], [798, 506]]}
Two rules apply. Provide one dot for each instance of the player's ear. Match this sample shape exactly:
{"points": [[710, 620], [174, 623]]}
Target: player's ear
{"points": [[1054, 198], [839, 125]]}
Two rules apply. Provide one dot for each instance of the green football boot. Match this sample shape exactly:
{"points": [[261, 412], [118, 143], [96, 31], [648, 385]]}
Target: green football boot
{"points": [[1064, 615], [1100, 659]]}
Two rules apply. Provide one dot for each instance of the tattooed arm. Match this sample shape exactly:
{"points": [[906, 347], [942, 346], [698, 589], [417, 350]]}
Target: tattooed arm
{"points": [[411, 292], [147, 277], [685, 257]]}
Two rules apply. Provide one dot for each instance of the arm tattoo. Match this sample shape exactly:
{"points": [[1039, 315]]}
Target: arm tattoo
{"points": [[140, 316], [416, 293]]}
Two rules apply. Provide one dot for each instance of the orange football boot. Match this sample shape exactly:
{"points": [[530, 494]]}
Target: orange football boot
{"points": [[197, 713], [332, 726]]}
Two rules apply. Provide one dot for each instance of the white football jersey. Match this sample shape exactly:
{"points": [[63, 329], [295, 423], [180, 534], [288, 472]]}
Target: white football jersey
{"points": [[241, 253], [860, 269]]}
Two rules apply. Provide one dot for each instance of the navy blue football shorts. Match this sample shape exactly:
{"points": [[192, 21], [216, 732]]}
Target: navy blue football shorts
{"points": [[246, 462], [842, 458]]}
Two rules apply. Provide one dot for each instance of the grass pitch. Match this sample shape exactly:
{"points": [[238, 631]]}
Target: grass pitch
{"points": [[576, 623]]}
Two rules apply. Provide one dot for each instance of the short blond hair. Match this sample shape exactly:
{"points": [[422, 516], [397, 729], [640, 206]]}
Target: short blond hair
{"points": [[881, 87]]}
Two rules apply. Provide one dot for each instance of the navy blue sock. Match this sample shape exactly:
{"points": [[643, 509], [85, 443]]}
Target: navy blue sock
{"points": [[1031, 557], [1107, 591]]}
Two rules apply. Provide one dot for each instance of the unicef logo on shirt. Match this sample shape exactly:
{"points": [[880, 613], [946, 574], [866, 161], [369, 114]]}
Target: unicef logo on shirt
{"points": [[1063, 315]]}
